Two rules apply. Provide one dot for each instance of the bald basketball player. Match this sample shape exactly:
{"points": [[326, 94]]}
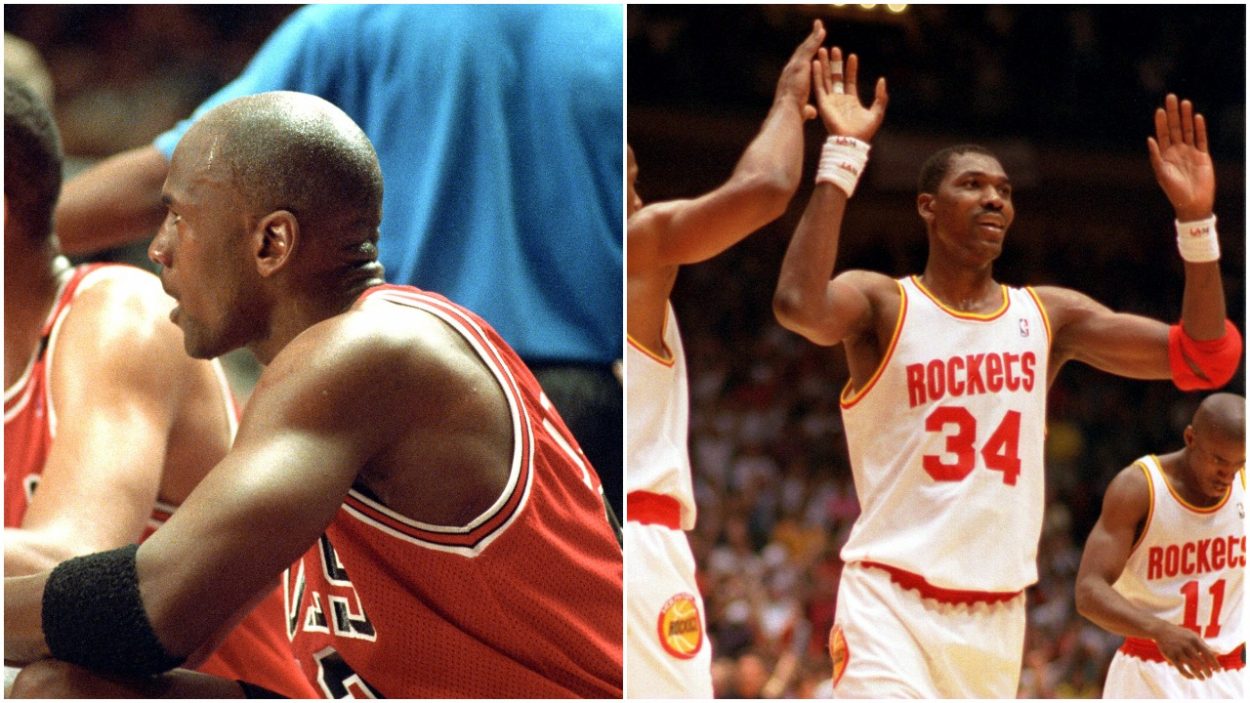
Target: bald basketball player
{"points": [[1165, 564], [437, 530], [945, 408], [108, 425]]}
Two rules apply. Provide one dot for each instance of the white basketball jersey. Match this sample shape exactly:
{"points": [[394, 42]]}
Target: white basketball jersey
{"points": [[658, 408], [1188, 565], [946, 440]]}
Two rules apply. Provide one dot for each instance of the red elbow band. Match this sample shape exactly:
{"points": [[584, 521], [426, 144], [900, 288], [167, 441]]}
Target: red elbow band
{"points": [[1216, 359]]}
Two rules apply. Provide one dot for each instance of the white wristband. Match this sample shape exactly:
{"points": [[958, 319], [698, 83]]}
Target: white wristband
{"points": [[1198, 241], [842, 160]]}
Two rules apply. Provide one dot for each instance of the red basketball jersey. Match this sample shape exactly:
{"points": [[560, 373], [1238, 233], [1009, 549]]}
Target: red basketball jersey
{"points": [[256, 649], [522, 602]]}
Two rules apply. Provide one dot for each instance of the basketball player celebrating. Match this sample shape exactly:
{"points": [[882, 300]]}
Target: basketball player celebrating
{"points": [[945, 408], [1165, 562], [437, 530], [668, 654], [108, 425]]}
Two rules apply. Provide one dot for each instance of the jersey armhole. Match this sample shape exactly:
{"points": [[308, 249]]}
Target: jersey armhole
{"points": [[849, 397], [1150, 505]]}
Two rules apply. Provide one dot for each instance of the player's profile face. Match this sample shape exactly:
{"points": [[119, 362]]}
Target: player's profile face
{"points": [[196, 250]]}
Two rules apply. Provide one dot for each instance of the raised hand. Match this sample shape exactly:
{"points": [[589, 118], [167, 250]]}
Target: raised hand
{"points": [[1181, 162], [837, 97], [795, 82]]}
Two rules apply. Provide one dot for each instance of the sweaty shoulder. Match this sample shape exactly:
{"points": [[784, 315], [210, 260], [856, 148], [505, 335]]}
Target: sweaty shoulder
{"points": [[123, 308], [1064, 305]]}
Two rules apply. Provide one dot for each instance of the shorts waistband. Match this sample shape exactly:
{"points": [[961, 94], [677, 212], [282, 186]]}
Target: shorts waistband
{"points": [[653, 509], [907, 579], [1149, 651]]}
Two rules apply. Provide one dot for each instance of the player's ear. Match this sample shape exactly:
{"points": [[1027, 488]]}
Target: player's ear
{"points": [[274, 240], [924, 206]]}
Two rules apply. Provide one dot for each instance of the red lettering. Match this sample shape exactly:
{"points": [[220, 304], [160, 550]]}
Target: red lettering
{"points": [[976, 384], [1171, 560], [1217, 554], [994, 372], [1027, 362], [1154, 564], [937, 379], [955, 386], [1187, 558], [1013, 383], [1204, 563], [915, 384]]}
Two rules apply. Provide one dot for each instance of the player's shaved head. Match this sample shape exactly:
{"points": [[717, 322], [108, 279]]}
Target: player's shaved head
{"points": [[1222, 414], [296, 152]]}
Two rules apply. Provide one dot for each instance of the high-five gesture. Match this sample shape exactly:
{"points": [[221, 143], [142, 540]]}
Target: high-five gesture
{"points": [[1182, 164], [837, 97], [795, 82]]}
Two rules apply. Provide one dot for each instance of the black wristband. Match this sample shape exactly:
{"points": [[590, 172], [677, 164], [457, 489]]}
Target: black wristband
{"points": [[93, 616], [251, 690]]}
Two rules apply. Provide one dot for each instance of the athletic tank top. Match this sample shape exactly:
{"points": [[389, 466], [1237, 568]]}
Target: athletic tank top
{"points": [[658, 402], [945, 442], [1188, 565], [256, 649], [524, 601]]}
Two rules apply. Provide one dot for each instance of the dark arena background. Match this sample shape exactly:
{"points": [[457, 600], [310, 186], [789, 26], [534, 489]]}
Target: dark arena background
{"points": [[1066, 96]]}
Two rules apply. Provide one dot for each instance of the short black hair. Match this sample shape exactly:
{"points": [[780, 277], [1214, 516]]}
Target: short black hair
{"points": [[937, 166], [32, 158]]}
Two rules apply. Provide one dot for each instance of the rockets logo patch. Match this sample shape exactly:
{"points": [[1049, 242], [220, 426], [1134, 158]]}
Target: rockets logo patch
{"points": [[838, 653], [680, 627]]}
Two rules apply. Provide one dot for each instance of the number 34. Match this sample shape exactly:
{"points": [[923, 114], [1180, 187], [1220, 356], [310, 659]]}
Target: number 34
{"points": [[1000, 452]]}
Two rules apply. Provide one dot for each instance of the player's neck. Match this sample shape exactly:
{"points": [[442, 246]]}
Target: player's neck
{"points": [[297, 311], [972, 290], [29, 293]]}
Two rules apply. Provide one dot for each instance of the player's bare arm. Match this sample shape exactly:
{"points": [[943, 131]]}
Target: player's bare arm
{"points": [[765, 178], [115, 202], [806, 300], [1138, 347], [120, 373], [330, 402], [1124, 512]]}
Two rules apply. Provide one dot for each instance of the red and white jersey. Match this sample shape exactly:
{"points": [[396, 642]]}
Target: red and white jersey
{"points": [[946, 440], [1189, 563], [255, 649], [524, 601], [658, 400]]}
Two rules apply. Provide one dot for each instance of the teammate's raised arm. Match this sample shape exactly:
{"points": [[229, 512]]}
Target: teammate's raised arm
{"points": [[757, 192]]}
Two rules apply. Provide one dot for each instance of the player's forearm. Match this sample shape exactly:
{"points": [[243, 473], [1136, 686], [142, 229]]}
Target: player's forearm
{"points": [[1098, 602], [773, 163], [1202, 305], [28, 553], [23, 619], [809, 261], [115, 202]]}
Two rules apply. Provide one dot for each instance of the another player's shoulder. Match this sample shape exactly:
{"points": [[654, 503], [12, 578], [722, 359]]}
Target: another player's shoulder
{"points": [[120, 302], [1129, 493], [1063, 304]]}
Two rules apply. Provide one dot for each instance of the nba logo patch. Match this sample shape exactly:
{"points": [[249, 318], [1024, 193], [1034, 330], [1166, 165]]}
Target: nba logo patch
{"points": [[1024, 327], [838, 652], [680, 627]]}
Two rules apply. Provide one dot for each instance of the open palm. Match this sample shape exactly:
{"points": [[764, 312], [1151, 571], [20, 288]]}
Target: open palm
{"points": [[837, 97], [1181, 162]]}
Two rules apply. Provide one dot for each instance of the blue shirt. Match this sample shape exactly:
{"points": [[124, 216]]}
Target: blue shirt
{"points": [[498, 129]]}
